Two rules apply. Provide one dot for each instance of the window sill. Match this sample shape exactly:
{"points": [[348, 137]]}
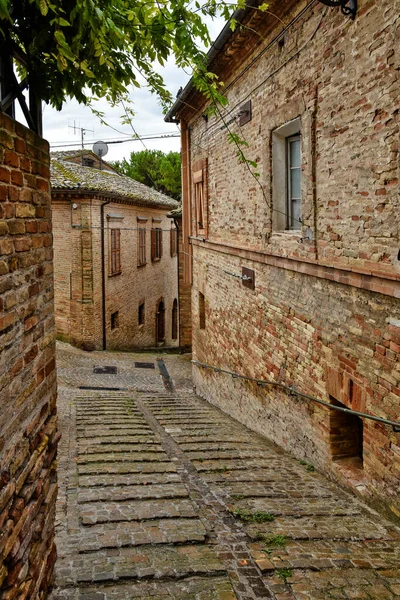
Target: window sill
{"points": [[114, 274], [142, 265], [156, 259]]}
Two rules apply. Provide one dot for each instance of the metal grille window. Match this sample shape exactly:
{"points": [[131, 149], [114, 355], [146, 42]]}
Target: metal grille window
{"points": [[115, 251], [141, 246], [293, 161], [156, 243]]}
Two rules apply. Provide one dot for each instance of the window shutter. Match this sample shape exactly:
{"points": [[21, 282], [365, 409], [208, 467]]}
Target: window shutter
{"points": [[171, 242], [160, 233], [153, 244]]}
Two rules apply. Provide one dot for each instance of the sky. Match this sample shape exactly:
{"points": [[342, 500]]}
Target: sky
{"points": [[58, 127]]}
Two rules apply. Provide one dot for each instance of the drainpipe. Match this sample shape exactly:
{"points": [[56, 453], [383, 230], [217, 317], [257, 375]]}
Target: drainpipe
{"points": [[103, 276]]}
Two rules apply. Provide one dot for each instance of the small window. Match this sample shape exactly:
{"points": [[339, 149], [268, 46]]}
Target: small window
{"points": [[202, 311], [156, 243], [141, 314], [286, 177], [114, 320], [199, 172], [174, 328], [141, 246], [115, 251], [173, 241]]}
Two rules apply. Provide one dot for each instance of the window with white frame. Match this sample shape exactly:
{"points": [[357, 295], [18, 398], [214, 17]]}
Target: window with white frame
{"points": [[286, 177]]}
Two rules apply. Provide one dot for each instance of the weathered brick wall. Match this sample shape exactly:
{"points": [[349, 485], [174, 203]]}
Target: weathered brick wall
{"points": [[78, 282], [28, 425], [325, 313], [185, 298]]}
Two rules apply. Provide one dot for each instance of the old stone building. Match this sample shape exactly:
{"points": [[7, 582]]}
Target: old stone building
{"points": [[295, 262], [115, 258], [28, 422]]}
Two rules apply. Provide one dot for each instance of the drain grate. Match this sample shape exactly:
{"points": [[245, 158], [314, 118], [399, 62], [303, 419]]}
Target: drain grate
{"points": [[105, 370], [143, 365]]}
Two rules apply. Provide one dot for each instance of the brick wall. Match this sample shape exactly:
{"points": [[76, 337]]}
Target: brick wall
{"points": [[185, 298], [28, 426], [78, 281], [324, 315]]}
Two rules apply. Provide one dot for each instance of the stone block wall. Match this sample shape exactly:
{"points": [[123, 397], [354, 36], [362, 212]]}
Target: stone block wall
{"points": [[28, 422], [325, 312]]}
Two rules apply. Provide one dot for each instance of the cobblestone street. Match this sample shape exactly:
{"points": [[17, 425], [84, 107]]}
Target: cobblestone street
{"points": [[163, 496]]}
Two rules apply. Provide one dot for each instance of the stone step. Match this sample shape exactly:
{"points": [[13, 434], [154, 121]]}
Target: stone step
{"points": [[110, 479], [325, 554], [132, 492], [139, 533], [87, 447], [136, 510], [114, 427], [125, 468], [299, 507], [140, 563], [116, 457], [316, 527], [335, 584], [206, 455], [139, 438], [190, 588]]}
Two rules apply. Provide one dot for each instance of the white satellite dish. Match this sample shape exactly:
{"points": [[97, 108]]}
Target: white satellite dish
{"points": [[100, 149]]}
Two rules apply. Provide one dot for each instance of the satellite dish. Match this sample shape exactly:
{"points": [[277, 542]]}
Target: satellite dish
{"points": [[100, 149]]}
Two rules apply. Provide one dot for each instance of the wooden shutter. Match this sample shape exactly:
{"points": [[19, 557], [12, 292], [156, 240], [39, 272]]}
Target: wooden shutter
{"points": [[160, 237], [153, 244], [171, 242], [199, 175], [115, 251]]}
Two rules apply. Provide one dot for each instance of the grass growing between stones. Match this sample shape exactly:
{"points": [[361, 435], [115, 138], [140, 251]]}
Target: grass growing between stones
{"points": [[284, 574], [252, 517], [307, 465], [272, 542]]}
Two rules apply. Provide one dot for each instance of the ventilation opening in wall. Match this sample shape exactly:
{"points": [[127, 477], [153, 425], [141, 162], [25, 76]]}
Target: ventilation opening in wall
{"points": [[346, 436], [202, 311]]}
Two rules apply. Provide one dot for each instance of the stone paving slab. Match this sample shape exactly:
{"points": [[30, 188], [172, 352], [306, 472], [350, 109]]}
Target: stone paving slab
{"points": [[157, 531], [136, 510], [192, 588], [162, 496]]}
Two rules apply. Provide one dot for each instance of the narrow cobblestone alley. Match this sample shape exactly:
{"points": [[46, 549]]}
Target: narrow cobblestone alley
{"points": [[164, 496]]}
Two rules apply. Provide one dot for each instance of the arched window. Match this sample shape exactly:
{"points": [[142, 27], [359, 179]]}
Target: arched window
{"points": [[160, 322], [175, 320]]}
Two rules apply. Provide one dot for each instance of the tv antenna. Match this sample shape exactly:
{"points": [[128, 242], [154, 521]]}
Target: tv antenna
{"points": [[100, 149], [82, 131]]}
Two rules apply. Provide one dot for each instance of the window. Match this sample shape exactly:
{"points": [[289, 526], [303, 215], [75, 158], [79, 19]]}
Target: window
{"points": [[286, 177], [141, 314], [156, 243], [202, 311], [115, 251], [114, 320], [174, 327], [173, 241], [200, 196], [141, 246], [293, 161]]}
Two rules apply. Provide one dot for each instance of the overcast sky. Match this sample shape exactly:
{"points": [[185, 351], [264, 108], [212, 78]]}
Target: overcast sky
{"points": [[58, 127]]}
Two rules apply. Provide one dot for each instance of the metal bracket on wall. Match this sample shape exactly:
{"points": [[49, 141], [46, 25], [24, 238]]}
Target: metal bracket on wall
{"points": [[348, 7]]}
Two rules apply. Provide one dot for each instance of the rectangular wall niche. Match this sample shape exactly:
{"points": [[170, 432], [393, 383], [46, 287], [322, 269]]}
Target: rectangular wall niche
{"points": [[346, 435]]}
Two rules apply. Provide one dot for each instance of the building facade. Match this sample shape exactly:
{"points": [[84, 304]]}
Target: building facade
{"points": [[291, 229], [115, 259]]}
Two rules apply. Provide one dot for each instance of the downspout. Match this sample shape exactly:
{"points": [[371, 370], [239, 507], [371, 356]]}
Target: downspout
{"points": [[103, 276]]}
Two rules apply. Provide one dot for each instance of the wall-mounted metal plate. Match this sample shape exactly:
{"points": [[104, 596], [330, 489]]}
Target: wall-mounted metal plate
{"points": [[105, 370], [144, 365], [248, 278], [245, 113]]}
